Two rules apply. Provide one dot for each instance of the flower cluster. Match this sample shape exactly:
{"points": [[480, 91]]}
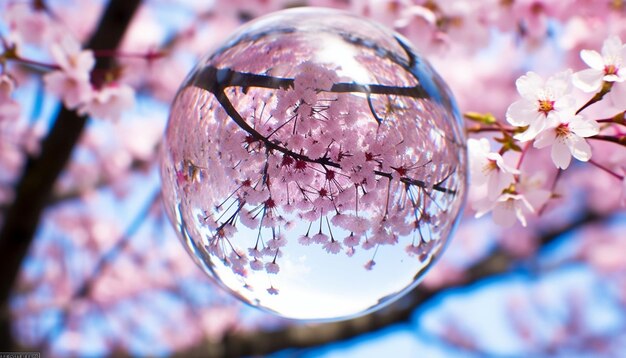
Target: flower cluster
{"points": [[547, 115], [72, 76], [313, 159]]}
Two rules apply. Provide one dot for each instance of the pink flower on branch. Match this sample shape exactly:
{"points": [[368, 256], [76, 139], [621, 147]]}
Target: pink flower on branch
{"points": [[607, 66], [516, 203], [488, 167], [71, 82], [567, 140], [543, 103]]}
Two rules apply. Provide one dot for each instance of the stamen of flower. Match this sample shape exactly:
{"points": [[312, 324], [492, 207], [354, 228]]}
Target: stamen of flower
{"points": [[545, 106], [491, 165], [510, 190], [562, 130], [610, 70]]}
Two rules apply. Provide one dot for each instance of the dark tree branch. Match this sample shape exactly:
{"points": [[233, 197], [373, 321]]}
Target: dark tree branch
{"points": [[216, 80], [213, 79], [34, 188], [307, 336]]}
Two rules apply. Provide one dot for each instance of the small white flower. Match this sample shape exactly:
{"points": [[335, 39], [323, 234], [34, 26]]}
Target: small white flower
{"points": [[567, 140], [488, 167], [520, 200], [604, 67], [542, 103]]}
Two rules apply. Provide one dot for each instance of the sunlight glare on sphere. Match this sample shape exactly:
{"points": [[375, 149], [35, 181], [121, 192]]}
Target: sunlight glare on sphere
{"points": [[314, 165]]}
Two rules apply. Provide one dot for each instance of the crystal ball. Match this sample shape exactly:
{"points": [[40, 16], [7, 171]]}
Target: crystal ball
{"points": [[314, 165]]}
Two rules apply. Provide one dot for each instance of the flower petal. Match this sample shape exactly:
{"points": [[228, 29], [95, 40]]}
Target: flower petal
{"points": [[593, 59], [521, 113], [559, 84], [536, 127], [617, 96], [537, 198], [529, 84], [584, 127], [561, 155], [579, 147], [545, 138], [612, 47], [589, 80], [504, 213]]}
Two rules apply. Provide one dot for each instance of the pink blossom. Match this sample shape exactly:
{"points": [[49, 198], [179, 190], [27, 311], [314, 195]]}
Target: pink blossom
{"points": [[272, 290], [527, 197], [9, 108], [256, 265], [255, 253], [71, 82], [567, 140], [109, 102], [369, 265], [543, 103], [607, 66], [277, 242], [488, 167], [29, 25], [332, 247], [320, 238], [352, 240], [305, 240], [272, 267]]}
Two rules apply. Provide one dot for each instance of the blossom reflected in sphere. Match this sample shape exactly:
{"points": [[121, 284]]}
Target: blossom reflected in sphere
{"points": [[314, 165]]}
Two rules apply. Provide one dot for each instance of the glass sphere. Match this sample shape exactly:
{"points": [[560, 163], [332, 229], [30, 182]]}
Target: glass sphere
{"points": [[314, 165]]}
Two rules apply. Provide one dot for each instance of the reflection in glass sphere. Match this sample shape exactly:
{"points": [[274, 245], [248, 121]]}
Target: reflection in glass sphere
{"points": [[314, 165]]}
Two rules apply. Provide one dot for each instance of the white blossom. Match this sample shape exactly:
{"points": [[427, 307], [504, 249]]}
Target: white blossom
{"points": [[603, 67], [567, 140], [543, 103], [488, 167]]}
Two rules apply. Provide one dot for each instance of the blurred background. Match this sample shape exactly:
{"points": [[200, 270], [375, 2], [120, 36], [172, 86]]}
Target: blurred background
{"points": [[91, 266]]}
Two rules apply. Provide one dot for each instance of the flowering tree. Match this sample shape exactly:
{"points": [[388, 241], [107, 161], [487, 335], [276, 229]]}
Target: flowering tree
{"points": [[91, 265]]}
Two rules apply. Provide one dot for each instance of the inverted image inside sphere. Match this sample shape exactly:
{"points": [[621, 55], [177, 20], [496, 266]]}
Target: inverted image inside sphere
{"points": [[314, 165]]}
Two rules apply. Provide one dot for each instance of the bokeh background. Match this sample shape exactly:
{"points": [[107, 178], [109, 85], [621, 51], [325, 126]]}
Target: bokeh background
{"points": [[101, 271]]}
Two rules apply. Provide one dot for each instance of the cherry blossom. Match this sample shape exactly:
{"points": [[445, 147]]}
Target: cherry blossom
{"points": [[9, 107], [109, 102], [29, 24], [567, 140], [516, 202], [71, 81], [344, 202], [604, 67], [543, 103], [488, 167]]}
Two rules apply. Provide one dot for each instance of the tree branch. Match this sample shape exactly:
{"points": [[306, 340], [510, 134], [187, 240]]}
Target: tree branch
{"points": [[40, 173], [306, 336], [216, 80]]}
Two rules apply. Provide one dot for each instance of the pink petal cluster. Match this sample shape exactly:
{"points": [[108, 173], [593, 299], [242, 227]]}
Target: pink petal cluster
{"points": [[9, 107], [71, 81]]}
